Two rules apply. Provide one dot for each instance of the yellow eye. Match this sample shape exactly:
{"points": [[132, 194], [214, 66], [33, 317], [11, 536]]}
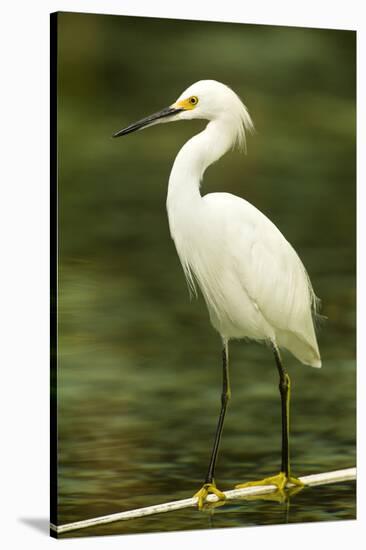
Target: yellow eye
{"points": [[187, 104]]}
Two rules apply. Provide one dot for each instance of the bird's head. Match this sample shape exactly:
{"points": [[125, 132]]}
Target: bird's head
{"points": [[206, 99]]}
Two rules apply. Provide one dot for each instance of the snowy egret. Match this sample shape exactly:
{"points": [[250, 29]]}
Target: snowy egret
{"points": [[254, 283]]}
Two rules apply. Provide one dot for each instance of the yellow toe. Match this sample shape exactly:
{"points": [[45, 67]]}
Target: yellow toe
{"points": [[205, 490], [296, 481], [280, 481]]}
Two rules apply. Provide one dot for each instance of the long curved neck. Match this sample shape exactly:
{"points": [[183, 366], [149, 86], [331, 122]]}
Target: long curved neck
{"points": [[191, 162]]}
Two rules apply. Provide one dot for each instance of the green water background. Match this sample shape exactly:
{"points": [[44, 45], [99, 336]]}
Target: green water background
{"points": [[139, 375]]}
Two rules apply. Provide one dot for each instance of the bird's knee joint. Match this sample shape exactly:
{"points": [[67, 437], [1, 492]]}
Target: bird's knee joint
{"points": [[225, 397], [284, 384]]}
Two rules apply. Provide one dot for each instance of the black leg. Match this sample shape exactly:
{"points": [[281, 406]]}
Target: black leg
{"points": [[284, 477], [284, 387], [225, 396]]}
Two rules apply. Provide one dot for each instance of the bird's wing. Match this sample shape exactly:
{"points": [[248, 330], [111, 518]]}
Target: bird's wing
{"points": [[268, 267]]}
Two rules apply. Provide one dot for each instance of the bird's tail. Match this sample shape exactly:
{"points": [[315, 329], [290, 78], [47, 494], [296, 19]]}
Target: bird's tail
{"points": [[305, 351]]}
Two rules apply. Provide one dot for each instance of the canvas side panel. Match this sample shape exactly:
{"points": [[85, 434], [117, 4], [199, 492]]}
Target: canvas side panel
{"points": [[53, 272]]}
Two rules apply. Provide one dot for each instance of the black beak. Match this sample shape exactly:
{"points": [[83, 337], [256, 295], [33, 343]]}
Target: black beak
{"points": [[148, 121]]}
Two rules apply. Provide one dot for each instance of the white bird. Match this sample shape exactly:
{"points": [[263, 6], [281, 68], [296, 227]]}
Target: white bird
{"points": [[254, 283]]}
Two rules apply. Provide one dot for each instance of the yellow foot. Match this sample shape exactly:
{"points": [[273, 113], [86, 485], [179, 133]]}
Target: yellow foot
{"points": [[275, 496], [205, 490], [280, 481]]}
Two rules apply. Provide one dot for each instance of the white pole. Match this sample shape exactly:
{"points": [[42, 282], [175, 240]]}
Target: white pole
{"points": [[311, 480]]}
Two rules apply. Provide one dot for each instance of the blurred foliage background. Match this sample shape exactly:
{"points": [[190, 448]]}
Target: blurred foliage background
{"points": [[139, 364]]}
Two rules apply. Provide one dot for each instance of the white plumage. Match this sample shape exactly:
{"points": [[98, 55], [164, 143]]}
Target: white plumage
{"points": [[254, 283]]}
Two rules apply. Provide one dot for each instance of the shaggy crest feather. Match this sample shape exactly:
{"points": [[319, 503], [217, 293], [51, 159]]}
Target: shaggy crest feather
{"points": [[245, 124]]}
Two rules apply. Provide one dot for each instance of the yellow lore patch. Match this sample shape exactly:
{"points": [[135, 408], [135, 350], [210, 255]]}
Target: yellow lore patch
{"points": [[187, 104]]}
